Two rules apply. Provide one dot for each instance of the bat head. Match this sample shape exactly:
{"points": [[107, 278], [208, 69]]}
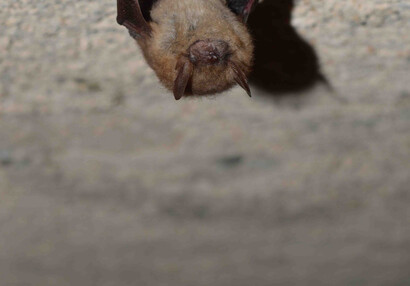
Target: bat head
{"points": [[207, 67], [196, 47]]}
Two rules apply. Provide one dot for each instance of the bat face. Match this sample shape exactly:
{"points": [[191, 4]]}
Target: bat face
{"points": [[196, 47]]}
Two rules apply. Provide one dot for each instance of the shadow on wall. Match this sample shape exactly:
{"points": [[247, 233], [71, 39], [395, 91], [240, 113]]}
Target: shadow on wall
{"points": [[284, 62]]}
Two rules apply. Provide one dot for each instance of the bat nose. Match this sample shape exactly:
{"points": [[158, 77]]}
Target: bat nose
{"points": [[208, 52]]}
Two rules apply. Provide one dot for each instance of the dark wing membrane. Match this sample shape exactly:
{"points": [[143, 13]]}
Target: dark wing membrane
{"points": [[237, 6], [146, 7], [130, 15], [242, 7]]}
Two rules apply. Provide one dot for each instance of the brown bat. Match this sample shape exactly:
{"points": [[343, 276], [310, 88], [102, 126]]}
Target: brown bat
{"points": [[196, 47]]}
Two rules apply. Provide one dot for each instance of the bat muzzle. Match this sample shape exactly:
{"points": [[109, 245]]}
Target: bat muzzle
{"points": [[208, 52]]}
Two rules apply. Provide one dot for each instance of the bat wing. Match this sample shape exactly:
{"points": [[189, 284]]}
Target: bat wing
{"points": [[130, 15], [242, 7]]}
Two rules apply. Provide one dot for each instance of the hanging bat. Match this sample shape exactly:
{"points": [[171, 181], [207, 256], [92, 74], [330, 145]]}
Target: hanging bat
{"points": [[196, 47]]}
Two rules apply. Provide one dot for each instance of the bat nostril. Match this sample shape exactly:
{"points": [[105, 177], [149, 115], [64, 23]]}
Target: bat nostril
{"points": [[213, 60]]}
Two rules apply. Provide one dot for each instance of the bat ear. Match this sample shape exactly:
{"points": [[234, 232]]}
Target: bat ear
{"points": [[185, 69], [240, 77], [129, 14]]}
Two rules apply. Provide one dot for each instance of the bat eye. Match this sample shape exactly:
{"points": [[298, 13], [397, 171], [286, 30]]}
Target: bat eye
{"points": [[208, 52]]}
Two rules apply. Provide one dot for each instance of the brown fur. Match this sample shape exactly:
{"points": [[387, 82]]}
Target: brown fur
{"points": [[177, 24]]}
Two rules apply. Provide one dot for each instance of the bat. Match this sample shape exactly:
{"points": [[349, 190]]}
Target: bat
{"points": [[195, 47]]}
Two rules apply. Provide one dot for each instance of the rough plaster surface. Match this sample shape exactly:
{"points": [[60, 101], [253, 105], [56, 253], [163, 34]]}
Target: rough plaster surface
{"points": [[106, 180]]}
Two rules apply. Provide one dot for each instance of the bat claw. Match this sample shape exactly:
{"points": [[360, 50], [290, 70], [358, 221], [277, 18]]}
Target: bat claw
{"points": [[240, 78], [185, 70]]}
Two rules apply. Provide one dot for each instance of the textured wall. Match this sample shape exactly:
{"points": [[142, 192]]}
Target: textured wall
{"points": [[106, 180]]}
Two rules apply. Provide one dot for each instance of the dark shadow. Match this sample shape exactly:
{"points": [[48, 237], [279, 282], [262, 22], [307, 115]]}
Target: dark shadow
{"points": [[284, 62]]}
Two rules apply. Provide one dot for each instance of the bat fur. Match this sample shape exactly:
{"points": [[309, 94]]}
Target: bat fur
{"points": [[196, 47]]}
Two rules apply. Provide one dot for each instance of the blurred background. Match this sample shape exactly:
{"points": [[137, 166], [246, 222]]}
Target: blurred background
{"points": [[106, 180]]}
